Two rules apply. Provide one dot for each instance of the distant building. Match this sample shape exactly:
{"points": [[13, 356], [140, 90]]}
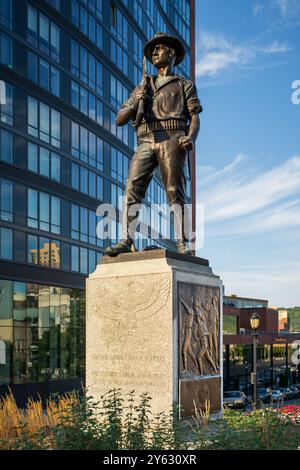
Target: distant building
{"points": [[275, 350]]}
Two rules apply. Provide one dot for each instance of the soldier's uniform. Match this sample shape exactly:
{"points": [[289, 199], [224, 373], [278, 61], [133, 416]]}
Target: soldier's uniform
{"points": [[168, 108], [169, 105]]}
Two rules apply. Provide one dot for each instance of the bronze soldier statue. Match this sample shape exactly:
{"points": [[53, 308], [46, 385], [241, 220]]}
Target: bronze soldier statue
{"points": [[166, 132]]}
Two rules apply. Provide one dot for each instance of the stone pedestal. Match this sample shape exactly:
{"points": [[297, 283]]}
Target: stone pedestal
{"points": [[154, 326]]}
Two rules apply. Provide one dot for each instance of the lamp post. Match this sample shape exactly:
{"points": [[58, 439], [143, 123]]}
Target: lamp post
{"points": [[254, 323]]}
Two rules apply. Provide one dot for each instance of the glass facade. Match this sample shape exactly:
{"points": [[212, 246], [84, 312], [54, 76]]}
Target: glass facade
{"points": [[274, 366], [66, 68], [42, 329]]}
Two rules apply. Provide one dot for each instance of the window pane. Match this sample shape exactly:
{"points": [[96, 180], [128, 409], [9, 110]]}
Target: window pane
{"points": [[55, 215], [92, 261], [44, 161], [44, 33], [32, 24], [75, 221], [44, 74], [74, 258], [92, 184], [83, 144], [92, 106], [83, 100], [32, 116], [83, 224], [75, 58], [92, 227], [44, 254], [55, 80], [55, 166], [19, 302], [44, 211], [83, 180], [83, 261], [75, 94], [55, 128], [44, 122], [54, 41], [83, 64], [6, 50], [32, 208], [32, 67], [75, 139], [75, 176], [32, 249], [100, 188], [6, 103], [32, 157], [6, 243], [6, 149], [55, 254], [6, 200]]}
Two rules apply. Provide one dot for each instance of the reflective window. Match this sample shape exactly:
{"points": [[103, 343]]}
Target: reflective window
{"points": [[5, 243], [88, 25], [6, 103], [42, 161], [6, 200], [6, 14], [74, 258], [86, 102], [43, 33], [6, 146], [86, 68], [43, 122], [86, 146], [48, 336], [6, 50], [32, 249], [119, 166], [42, 72], [43, 211]]}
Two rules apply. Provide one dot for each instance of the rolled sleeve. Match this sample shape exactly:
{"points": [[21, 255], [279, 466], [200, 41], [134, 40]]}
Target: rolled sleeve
{"points": [[193, 103]]}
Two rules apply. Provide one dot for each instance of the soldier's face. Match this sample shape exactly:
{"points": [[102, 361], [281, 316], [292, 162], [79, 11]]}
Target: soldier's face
{"points": [[161, 56]]}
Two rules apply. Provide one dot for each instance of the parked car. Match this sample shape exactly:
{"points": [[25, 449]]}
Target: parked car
{"points": [[277, 395], [264, 394], [235, 399], [287, 393], [295, 391]]}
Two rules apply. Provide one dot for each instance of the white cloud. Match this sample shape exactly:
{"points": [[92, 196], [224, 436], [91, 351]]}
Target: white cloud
{"points": [[280, 286], [274, 48], [216, 53], [238, 199], [287, 8]]}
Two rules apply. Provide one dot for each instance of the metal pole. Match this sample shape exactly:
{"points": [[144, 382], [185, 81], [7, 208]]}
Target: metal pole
{"points": [[272, 367], [254, 371]]}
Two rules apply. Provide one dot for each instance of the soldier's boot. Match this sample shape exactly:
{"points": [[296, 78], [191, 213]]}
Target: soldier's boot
{"points": [[183, 247], [123, 246]]}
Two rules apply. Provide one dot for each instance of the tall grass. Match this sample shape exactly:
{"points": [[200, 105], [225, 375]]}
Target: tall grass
{"points": [[70, 422], [115, 422]]}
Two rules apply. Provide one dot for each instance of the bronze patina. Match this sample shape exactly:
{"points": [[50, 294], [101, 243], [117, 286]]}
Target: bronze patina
{"points": [[164, 110]]}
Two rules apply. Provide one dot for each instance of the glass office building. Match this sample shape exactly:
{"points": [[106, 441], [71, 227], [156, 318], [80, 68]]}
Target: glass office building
{"points": [[66, 66]]}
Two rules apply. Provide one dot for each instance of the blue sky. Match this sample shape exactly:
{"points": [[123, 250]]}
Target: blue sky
{"points": [[248, 150]]}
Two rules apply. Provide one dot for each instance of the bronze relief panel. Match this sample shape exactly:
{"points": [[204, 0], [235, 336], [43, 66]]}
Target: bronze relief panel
{"points": [[199, 329]]}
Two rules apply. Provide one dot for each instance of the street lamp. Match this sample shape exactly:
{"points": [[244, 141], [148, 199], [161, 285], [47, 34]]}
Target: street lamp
{"points": [[254, 323]]}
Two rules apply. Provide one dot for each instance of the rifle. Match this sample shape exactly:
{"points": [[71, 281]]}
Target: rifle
{"points": [[141, 106]]}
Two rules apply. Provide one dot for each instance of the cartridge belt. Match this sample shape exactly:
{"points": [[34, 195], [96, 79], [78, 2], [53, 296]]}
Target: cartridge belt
{"points": [[163, 125]]}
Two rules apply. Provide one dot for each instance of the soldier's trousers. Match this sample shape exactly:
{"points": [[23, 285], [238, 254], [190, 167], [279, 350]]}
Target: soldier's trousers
{"points": [[158, 149]]}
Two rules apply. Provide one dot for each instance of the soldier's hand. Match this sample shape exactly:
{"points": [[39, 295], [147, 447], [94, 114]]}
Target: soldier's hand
{"points": [[186, 143], [141, 94]]}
